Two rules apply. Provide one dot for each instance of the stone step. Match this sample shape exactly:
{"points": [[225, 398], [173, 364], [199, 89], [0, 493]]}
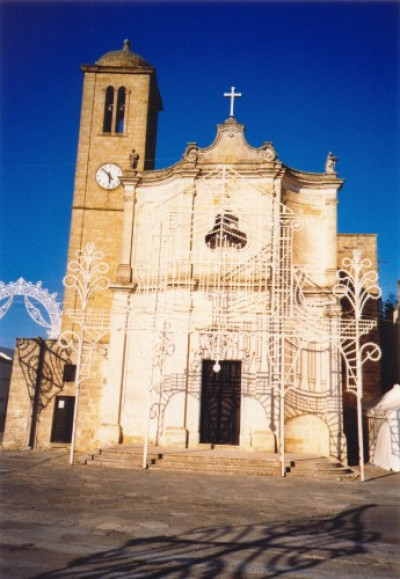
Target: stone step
{"points": [[243, 471], [321, 468], [324, 473], [113, 456], [224, 447], [98, 464], [125, 451], [114, 460], [192, 460], [211, 462], [300, 465]]}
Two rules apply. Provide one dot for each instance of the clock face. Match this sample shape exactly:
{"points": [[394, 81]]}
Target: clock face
{"points": [[107, 176]]}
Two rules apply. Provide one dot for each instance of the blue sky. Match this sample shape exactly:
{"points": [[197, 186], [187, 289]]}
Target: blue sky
{"points": [[315, 77]]}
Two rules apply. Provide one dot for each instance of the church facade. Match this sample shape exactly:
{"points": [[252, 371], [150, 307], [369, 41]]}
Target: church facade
{"points": [[219, 325]]}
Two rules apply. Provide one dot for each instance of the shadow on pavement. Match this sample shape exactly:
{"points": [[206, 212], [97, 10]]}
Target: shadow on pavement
{"points": [[271, 550], [372, 478]]}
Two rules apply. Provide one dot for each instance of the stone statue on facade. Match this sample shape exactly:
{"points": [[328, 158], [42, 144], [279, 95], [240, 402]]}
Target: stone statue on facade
{"points": [[330, 163], [133, 160], [269, 153]]}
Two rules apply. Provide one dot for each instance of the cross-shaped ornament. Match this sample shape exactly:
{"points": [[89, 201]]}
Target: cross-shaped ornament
{"points": [[232, 95]]}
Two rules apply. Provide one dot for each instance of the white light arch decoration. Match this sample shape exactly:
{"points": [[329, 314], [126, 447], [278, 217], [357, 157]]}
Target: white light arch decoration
{"points": [[35, 292]]}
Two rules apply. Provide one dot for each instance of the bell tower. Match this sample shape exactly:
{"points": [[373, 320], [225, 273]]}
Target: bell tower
{"points": [[120, 106]]}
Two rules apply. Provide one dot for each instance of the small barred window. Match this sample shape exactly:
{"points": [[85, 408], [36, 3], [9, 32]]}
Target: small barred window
{"points": [[69, 373]]}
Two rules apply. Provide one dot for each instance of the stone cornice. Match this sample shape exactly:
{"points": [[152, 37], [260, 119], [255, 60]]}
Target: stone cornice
{"points": [[96, 208], [98, 69], [186, 170], [294, 180], [127, 288]]}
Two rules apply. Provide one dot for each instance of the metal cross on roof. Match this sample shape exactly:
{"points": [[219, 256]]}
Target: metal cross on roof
{"points": [[232, 95]]}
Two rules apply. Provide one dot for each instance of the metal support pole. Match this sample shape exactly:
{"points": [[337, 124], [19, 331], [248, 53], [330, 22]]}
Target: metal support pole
{"points": [[359, 399], [360, 437], [146, 435], [282, 429], [76, 405]]}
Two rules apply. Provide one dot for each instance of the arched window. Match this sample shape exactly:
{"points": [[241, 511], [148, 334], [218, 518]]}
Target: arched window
{"points": [[226, 232], [120, 116], [108, 110]]}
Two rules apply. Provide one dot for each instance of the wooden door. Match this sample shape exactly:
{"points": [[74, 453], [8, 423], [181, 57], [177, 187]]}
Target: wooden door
{"points": [[63, 419]]}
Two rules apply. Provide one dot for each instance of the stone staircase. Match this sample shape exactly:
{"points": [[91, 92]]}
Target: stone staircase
{"points": [[220, 460], [321, 467]]}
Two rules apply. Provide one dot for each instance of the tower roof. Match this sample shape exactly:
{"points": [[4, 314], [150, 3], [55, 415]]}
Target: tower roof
{"points": [[122, 58]]}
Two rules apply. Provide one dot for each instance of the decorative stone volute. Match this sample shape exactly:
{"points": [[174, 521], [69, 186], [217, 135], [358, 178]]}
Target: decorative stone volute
{"points": [[191, 153]]}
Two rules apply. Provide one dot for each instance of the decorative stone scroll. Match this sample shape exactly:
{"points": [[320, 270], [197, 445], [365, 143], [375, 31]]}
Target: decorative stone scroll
{"points": [[191, 153]]}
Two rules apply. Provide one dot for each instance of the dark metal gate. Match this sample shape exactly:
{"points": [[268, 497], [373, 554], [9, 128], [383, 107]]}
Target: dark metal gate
{"points": [[220, 403]]}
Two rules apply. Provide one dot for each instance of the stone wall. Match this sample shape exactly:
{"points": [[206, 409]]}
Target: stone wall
{"points": [[24, 380], [366, 242]]}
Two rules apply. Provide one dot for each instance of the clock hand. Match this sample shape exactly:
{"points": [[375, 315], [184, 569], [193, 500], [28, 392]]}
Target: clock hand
{"points": [[108, 174]]}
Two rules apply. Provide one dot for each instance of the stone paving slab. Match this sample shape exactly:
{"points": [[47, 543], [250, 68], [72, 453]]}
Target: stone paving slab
{"points": [[73, 522]]}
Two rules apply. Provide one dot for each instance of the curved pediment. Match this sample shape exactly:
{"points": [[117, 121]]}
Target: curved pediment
{"points": [[231, 147]]}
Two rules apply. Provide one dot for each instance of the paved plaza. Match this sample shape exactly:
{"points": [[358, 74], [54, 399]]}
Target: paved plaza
{"points": [[62, 521]]}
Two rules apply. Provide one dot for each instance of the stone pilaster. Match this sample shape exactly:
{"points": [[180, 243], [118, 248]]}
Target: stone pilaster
{"points": [[124, 270], [337, 438], [331, 240], [110, 429]]}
